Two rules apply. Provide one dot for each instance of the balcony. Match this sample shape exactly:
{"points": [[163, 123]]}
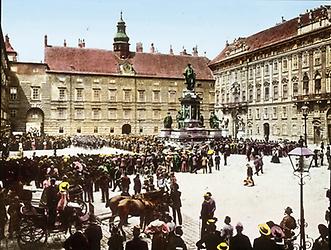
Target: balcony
{"points": [[320, 99], [228, 107]]}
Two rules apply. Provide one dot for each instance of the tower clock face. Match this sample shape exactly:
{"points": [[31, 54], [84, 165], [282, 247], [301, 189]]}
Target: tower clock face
{"points": [[126, 68]]}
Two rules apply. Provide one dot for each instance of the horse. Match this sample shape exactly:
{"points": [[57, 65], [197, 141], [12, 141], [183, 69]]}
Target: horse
{"points": [[112, 203]]}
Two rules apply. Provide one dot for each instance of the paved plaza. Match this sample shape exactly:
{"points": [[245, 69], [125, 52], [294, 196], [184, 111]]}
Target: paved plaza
{"points": [[274, 190]]}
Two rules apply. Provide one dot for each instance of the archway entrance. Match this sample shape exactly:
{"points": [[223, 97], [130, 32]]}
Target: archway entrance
{"points": [[328, 122], [126, 129], [35, 121], [266, 131]]}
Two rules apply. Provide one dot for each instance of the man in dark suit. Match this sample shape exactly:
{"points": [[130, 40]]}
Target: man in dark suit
{"points": [[136, 243], [240, 241], [264, 242]]}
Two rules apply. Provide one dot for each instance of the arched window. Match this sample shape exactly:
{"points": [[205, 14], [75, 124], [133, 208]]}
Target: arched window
{"points": [[317, 82], [305, 82]]}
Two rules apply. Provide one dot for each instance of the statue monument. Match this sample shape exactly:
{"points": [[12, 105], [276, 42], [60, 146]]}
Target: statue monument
{"points": [[189, 119]]}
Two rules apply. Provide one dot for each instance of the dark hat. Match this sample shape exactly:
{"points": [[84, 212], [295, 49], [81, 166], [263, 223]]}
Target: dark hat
{"points": [[323, 230], [288, 210]]}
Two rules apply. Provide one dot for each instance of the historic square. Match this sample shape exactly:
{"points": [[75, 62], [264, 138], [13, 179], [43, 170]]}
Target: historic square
{"points": [[107, 146]]}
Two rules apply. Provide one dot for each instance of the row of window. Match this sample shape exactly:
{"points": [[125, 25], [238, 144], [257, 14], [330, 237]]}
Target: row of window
{"points": [[233, 75], [112, 113], [276, 113], [111, 130], [225, 97], [278, 130]]}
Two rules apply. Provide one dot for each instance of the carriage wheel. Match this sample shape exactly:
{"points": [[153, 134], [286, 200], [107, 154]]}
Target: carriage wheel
{"points": [[83, 206], [30, 235]]}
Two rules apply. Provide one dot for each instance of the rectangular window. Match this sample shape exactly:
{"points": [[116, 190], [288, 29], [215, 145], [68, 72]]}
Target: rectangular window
{"points": [[295, 62], [243, 96], [275, 92], [284, 112], [35, 93], [61, 113], [285, 64], [275, 66], [111, 130], [96, 95], [112, 95], [141, 95], [249, 113], [95, 130], [266, 93], [285, 91], [156, 114], [141, 114], [227, 97], [250, 73], [172, 96], [13, 93], [112, 113], [96, 113], [156, 96], [266, 69], [13, 113], [79, 130], [79, 94], [62, 94], [61, 130], [79, 113], [127, 95], [257, 114], [265, 113], [127, 113], [156, 129], [250, 97], [274, 112], [258, 95]]}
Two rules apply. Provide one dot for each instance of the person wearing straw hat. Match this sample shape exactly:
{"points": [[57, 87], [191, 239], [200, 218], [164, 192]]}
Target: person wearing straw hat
{"points": [[223, 246], [264, 242]]}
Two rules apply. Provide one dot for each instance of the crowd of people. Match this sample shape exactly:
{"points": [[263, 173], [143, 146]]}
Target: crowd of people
{"points": [[153, 163]]}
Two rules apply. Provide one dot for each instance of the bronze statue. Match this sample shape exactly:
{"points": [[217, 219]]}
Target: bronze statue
{"points": [[201, 120], [179, 119], [213, 120], [189, 77], [167, 121]]}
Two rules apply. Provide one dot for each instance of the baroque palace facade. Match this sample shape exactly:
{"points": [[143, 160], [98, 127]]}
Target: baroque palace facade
{"points": [[95, 91], [262, 81]]}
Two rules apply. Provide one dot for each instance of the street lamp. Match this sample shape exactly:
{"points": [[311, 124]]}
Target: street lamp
{"points": [[301, 161], [304, 110]]}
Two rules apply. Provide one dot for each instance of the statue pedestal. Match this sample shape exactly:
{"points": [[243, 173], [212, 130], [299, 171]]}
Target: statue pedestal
{"points": [[241, 133], [165, 132], [225, 132], [215, 133]]}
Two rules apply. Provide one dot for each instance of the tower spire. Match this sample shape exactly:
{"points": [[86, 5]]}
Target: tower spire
{"points": [[121, 40]]}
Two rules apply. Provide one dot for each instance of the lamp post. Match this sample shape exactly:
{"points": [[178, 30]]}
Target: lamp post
{"points": [[301, 163], [304, 110]]}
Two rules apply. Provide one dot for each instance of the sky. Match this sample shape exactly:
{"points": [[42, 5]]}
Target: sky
{"points": [[207, 24]]}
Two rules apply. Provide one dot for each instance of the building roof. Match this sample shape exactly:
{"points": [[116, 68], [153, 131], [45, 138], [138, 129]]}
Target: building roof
{"points": [[85, 60], [281, 32], [9, 48]]}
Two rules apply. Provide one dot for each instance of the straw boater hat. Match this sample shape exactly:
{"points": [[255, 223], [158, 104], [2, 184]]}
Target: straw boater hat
{"points": [[223, 246], [264, 229]]}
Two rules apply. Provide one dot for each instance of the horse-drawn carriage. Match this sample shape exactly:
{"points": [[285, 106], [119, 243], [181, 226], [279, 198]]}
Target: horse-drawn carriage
{"points": [[35, 229]]}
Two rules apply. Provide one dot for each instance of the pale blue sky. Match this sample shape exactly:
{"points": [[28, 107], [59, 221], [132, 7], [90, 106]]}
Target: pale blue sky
{"points": [[205, 23]]}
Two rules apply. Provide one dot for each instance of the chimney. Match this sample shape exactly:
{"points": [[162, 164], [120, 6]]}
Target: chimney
{"points": [[64, 43], [152, 50], [45, 41], [83, 43], [195, 51], [80, 45], [139, 47], [171, 52]]}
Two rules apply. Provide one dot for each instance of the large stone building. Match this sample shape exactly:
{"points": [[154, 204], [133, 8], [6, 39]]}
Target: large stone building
{"points": [[262, 81], [6, 76], [95, 91]]}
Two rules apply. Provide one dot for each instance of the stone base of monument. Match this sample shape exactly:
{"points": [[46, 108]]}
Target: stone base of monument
{"points": [[225, 132], [191, 134], [166, 132]]}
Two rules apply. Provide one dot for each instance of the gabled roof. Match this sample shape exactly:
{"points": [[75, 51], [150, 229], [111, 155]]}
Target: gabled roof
{"points": [[85, 60], [9, 48], [281, 32]]}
